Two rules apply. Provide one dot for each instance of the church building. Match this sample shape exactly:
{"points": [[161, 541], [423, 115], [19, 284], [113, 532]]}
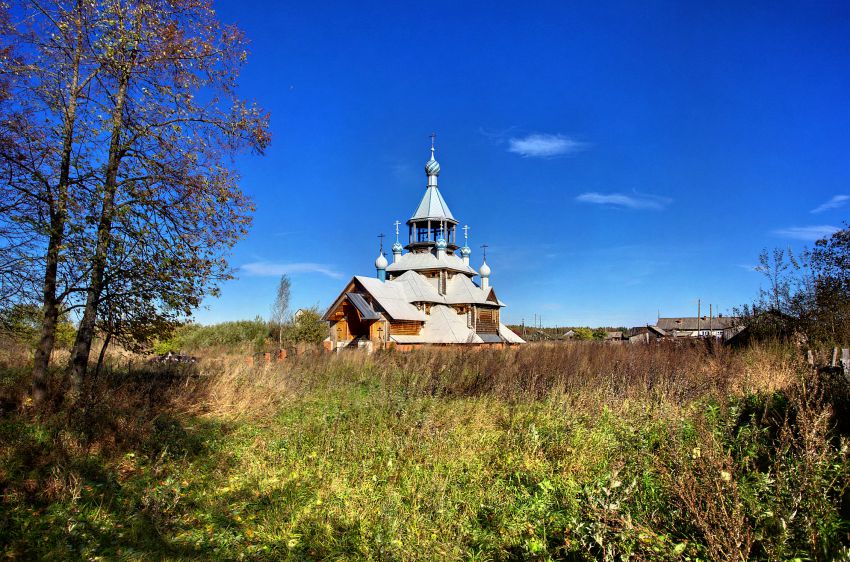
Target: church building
{"points": [[427, 295]]}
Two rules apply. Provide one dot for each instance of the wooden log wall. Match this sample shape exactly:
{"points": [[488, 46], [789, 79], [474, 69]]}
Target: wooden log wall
{"points": [[405, 328], [488, 321]]}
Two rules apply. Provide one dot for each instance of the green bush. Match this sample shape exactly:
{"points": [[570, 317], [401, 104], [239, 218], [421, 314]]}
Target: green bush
{"points": [[237, 334]]}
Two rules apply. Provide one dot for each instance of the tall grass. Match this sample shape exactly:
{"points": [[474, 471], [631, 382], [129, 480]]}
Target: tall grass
{"points": [[562, 451]]}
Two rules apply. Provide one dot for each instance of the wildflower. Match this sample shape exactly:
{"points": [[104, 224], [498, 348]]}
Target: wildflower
{"points": [[725, 476], [695, 454]]}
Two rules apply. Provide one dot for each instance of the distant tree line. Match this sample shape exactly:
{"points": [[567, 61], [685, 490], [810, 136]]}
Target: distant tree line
{"points": [[807, 295], [119, 121], [247, 335]]}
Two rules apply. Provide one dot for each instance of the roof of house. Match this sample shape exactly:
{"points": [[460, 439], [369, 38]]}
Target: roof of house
{"points": [[656, 330], [693, 323]]}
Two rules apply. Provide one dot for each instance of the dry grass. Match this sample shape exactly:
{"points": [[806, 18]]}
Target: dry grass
{"points": [[559, 451], [591, 373]]}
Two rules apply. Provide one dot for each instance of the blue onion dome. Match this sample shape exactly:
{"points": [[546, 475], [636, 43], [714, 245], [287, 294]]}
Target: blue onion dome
{"points": [[432, 167], [381, 262], [397, 248], [465, 251], [441, 243]]}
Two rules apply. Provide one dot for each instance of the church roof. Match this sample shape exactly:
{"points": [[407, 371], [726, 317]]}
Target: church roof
{"points": [[461, 290], [417, 288], [392, 299], [364, 308], [426, 260], [432, 206]]}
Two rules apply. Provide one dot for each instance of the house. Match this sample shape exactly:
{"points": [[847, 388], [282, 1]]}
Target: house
{"points": [[614, 336], [720, 327], [640, 334], [427, 295]]}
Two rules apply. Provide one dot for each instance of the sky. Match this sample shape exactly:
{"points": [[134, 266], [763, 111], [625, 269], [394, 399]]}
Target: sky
{"points": [[618, 159]]}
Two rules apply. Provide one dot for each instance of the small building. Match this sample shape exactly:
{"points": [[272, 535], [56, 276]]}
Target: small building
{"points": [[720, 327], [427, 295]]}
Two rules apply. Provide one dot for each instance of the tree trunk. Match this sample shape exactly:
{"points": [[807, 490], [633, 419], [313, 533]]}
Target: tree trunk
{"points": [[102, 354], [58, 217], [82, 344], [41, 360]]}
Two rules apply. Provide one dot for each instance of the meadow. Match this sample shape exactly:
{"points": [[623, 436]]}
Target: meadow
{"points": [[570, 451]]}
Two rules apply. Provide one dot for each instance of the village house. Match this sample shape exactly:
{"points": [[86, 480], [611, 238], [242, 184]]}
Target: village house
{"points": [[427, 295], [720, 327]]}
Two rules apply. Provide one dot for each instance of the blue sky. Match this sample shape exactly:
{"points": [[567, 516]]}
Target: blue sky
{"points": [[617, 158]]}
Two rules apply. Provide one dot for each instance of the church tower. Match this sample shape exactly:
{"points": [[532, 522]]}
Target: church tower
{"points": [[432, 217]]}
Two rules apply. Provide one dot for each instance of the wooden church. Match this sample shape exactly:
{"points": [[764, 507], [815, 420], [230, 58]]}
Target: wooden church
{"points": [[427, 295]]}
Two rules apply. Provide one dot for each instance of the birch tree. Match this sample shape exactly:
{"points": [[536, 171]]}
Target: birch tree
{"points": [[120, 122], [45, 134], [172, 121]]}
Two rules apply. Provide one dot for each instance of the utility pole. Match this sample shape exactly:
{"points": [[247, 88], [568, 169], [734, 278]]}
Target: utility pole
{"points": [[711, 319], [699, 312]]}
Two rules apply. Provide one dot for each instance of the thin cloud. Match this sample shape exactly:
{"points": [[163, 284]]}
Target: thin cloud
{"points": [[539, 145], [807, 233], [834, 203], [623, 201], [271, 269]]}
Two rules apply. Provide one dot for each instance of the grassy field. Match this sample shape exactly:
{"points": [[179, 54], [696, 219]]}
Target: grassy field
{"points": [[576, 451]]}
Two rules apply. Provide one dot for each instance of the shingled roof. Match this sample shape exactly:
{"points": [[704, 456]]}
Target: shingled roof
{"points": [[693, 323]]}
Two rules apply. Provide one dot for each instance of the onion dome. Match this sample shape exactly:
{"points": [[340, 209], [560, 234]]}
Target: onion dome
{"points": [[485, 270], [465, 251], [441, 243], [432, 167], [381, 262], [397, 247]]}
